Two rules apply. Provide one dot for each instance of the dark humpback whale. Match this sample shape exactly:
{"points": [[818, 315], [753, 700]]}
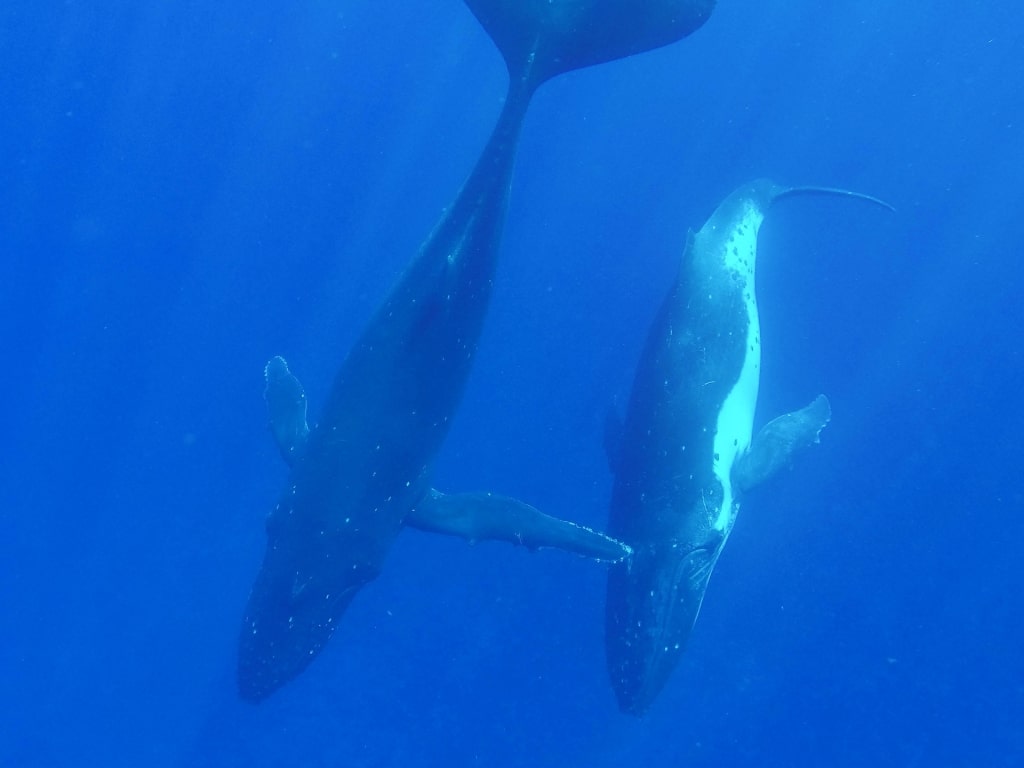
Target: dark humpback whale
{"points": [[684, 455], [362, 472]]}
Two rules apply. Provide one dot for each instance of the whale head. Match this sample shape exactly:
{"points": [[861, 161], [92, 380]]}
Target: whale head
{"points": [[306, 582], [653, 602]]}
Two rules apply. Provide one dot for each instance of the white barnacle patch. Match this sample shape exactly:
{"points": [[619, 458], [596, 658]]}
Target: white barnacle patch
{"points": [[735, 423]]}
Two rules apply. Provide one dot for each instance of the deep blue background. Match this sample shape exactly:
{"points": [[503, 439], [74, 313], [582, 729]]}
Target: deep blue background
{"points": [[189, 188]]}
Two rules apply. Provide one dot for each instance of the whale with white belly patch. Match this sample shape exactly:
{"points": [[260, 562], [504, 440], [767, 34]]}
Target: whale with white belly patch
{"points": [[685, 453]]}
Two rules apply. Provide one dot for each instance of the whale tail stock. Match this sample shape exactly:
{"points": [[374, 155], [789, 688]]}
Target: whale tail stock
{"points": [[540, 39]]}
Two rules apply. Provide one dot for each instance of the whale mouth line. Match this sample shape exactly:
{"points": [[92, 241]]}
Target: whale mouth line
{"points": [[663, 617]]}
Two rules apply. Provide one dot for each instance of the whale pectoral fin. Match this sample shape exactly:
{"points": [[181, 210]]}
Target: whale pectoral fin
{"points": [[479, 516], [778, 440], [286, 403]]}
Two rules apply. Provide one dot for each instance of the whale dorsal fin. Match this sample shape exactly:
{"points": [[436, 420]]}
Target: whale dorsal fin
{"points": [[773, 447], [480, 516], [286, 404], [544, 38]]}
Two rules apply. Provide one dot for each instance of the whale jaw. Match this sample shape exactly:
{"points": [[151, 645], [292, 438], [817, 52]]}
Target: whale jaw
{"points": [[293, 609], [653, 602]]}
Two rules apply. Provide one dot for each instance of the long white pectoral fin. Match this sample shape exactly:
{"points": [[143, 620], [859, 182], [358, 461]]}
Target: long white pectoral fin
{"points": [[479, 516], [774, 446], [286, 402]]}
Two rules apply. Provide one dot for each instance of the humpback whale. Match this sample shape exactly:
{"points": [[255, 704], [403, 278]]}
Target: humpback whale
{"points": [[685, 454], [362, 472]]}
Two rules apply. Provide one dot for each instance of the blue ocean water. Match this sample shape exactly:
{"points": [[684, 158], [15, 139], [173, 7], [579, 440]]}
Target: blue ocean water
{"points": [[189, 189]]}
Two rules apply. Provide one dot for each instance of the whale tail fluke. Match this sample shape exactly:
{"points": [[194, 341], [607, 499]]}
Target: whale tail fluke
{"points": [[544, 38]]}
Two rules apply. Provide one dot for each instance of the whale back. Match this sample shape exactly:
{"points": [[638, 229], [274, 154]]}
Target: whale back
{"points": [[544, 38]]}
